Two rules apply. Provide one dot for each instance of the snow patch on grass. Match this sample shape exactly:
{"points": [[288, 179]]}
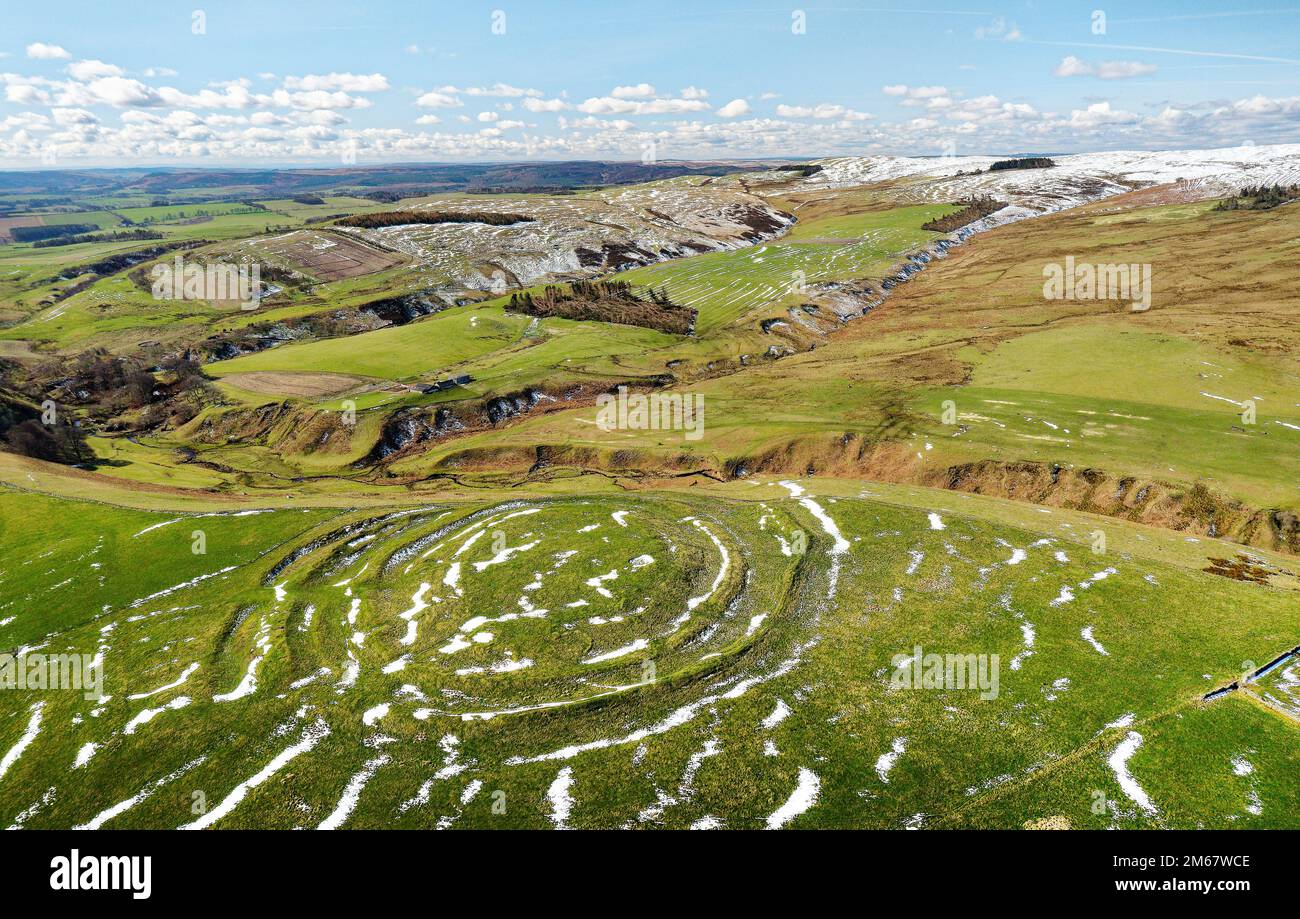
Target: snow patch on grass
{"points": [[1119, 762], [887, 760], [801, 800]]}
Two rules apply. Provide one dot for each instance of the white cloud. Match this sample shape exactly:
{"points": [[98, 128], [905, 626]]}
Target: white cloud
{"points": [[694, 92], [231, 96], [348, 82], [117, 91], [91, 70], [592, 123], [317, 99], [1263, 105], [437, 99], [1120, 70], [25, 120], [319, 117], [639, 91], [1172, 118], [71, 116], [734, 109], [821, 110], [488, 116], [497, 90], [608, 105], [159, 72], [1072, 66], [1100, 114], [428, 119], [43, 52], [931, 96], [545, 105], [999, 28], [25, 90]]}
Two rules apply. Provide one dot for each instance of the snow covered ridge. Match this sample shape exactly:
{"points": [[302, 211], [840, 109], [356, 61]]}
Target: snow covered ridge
{"points": [[1074, 180], [588, 234]]}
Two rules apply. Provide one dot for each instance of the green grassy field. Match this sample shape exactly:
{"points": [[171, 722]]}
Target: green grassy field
{"points": [[602, 661], [503, 351], [725, 286], [442, 341]]}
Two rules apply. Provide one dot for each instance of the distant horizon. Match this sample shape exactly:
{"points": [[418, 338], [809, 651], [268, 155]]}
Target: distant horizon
{"points": [[335, 167]]}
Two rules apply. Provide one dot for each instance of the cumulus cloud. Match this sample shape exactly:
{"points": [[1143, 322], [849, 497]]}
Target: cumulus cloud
{"points": [[435, 99], [428, 119], [318, 99], [71, 116], [117, 91], [609, 105], [639, 91], [230, 96], [915, 95], [694, 92], [545, 105], [999, 28], [347, 82], [734, 109], [42, 52], [26, 90], [497, 90], [1120, 70], [1072, 66], [592, 123], [488, 116], [318, 117], [821, 110], [1099, 114], [91, 70]]}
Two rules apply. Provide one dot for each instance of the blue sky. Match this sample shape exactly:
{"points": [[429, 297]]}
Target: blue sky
{"points": [[259, 83]]}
